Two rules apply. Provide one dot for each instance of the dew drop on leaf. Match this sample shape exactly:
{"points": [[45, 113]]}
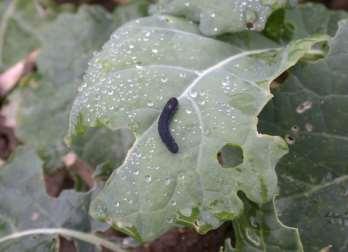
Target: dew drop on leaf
{"points": [[309, 127], [167, 181], [303, 107], [148, 179], [193, 93], [164, 80]]}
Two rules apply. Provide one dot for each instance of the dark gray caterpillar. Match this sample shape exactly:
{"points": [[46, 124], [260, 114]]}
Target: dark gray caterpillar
{"points": [[163, 125]]}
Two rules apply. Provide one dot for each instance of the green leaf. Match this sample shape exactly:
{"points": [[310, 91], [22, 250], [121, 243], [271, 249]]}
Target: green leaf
{"points": [[21, 22], [101, 147], [216, 17], [220, 89], [285, 25], [68, 44], [259, 229], [310, 112], [26, 205]]}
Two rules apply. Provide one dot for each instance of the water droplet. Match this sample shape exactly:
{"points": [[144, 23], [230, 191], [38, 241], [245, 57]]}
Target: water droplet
{"points": [[117, 204], [167, 181], [182, 75], [303, 107], [164, 80], [188, 111], [309, 127], [148, 179], [173, 203], [150, 104], [289, 139], [136, 172], [101, 211], [154, 50], [193, 93]]}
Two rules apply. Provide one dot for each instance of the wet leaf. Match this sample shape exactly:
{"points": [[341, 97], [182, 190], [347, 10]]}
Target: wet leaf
{"points": [[259, 229], [21, 22], [220, 93], [25, 204], [102, 147], [68, 43], [217, 17], [285, 25], [310, 112]]}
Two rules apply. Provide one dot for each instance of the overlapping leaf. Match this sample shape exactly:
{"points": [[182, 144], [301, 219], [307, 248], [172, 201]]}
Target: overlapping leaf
{"points": [[259, 229], [308, 19], [310, 111], [67, 45], [220, 90], [26, 205], [216, 17], [21, 22]]}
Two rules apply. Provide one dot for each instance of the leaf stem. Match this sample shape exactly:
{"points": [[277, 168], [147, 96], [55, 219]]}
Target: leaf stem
{"points": [[65, 232]]}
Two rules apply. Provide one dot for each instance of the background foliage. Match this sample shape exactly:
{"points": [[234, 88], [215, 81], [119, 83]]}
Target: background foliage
{"points": [[120, 69]]}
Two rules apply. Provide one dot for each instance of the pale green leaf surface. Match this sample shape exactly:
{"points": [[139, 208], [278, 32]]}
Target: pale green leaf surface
{"points": [[26, 205], [220, 88], [310, 111], [216, 17]]}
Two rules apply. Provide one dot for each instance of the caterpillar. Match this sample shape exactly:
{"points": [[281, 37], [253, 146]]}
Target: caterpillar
{"points": [[163, 125]]}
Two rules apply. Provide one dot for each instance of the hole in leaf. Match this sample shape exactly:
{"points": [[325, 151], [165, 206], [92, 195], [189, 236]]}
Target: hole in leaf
{"points": [[289, 139], [249, 25], [295, 129], [230, 156]]}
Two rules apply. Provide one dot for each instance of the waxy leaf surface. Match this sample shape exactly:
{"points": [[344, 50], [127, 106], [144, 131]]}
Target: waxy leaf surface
{"points": [[220, 88], [217, 17], [68, 43]]}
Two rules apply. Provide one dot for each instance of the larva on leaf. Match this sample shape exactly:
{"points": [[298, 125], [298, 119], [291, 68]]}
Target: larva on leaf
{"points": [[163, 125]]}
